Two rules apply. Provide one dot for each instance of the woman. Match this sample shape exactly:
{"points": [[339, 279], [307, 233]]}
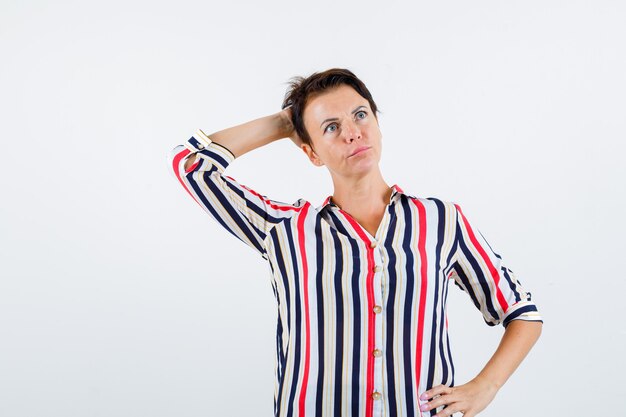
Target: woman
{"points": [[361, 280]]}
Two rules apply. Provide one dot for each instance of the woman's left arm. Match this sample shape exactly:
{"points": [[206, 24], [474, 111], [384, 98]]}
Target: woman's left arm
{"points": [[472, 397]]}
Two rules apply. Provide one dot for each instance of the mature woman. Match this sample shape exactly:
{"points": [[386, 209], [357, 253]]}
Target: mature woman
{"points": [[361, 280]]}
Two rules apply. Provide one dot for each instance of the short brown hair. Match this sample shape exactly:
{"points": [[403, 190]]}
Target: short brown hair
{"points": [[301, 89]]}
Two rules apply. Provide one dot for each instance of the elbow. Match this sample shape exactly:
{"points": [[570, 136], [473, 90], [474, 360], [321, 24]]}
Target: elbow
{"points": [[190, 163], [534, 329], [539, 327]]}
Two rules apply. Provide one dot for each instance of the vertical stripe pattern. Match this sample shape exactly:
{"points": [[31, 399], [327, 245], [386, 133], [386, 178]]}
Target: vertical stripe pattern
{"points": [[361, 319]]}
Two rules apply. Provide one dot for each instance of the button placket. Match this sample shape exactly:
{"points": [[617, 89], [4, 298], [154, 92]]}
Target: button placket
{"points": [[377, 309]]}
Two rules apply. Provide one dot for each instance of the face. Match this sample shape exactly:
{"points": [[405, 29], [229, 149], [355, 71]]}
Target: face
{"points": [[340, 122]]}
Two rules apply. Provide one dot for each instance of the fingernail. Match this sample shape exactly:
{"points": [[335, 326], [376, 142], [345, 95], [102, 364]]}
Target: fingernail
{"points": [[424, 407], [423, 396]]}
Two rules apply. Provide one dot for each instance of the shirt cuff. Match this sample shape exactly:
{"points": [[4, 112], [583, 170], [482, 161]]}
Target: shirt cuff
{"points": [[198, 141], [219, 155], [523, 310]]}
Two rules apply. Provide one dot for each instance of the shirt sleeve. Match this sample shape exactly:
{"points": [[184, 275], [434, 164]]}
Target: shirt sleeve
{"points": [[245, 213], [480, 271]]}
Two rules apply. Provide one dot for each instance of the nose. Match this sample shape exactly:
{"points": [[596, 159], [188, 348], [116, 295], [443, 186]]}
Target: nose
{"points": [[351, 131]]}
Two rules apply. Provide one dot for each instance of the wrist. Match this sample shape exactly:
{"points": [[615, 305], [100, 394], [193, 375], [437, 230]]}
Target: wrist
{"points": [[285, 123], [488, 383]]}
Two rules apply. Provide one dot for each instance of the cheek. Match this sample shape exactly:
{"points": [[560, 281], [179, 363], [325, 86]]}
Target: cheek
{"points": [[333, 157]]}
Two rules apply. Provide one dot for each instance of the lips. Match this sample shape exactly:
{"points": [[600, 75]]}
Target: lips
{"points": [[359, 149]]}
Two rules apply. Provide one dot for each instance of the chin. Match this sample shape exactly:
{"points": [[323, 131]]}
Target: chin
{"points": [[365, 168]]}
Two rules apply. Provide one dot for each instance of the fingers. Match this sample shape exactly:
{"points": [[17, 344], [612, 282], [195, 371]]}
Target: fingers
{"points": [[438, 390], [448, 411], [438, 402], [470, 399], [439, 395]]}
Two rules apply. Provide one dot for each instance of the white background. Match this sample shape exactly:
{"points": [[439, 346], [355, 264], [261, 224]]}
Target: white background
{"points": [[115, 285]]}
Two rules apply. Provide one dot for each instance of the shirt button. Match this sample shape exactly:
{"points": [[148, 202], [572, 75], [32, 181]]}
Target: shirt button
{"points": [[378, 309], [377, 352], [376, 395], [373, 244], [378, 268]]}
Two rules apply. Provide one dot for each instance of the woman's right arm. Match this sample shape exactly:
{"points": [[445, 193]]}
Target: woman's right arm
{"points": [[199, 164], [248, 136]]}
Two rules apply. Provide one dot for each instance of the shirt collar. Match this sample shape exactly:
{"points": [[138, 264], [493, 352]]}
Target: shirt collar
{"points": [[396, 191]]}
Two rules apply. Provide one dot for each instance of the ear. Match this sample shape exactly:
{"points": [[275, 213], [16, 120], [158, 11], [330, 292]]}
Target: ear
{"points": [[310, 153]]}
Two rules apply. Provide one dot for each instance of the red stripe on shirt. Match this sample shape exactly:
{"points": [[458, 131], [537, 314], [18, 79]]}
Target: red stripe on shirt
{"points": [[176, 164], [305, 285], [421, 246], [483, 254], [267, 201]]}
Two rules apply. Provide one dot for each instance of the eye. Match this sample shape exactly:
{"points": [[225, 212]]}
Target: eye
{"points": [[357, 115]]}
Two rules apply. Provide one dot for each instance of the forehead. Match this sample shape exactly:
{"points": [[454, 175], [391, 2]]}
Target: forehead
{"points": [[339, 100]]}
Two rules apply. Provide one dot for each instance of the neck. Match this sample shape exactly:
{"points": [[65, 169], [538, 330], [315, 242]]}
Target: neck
{"points": [[362, 195]]}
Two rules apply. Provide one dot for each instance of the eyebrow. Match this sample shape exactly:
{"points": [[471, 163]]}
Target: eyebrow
{"points": [[334, 118]]}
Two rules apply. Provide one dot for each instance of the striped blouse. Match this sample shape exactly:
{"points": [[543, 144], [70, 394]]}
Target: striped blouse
{"points": [[362, 327]]}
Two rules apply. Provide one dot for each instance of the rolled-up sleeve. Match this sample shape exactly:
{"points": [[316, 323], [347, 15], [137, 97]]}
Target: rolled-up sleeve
{"points": [[245, 213], [492, 285]]}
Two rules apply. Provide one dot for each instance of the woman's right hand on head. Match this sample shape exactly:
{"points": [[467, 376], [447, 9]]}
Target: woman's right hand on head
{"points": [[290, 131]]}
